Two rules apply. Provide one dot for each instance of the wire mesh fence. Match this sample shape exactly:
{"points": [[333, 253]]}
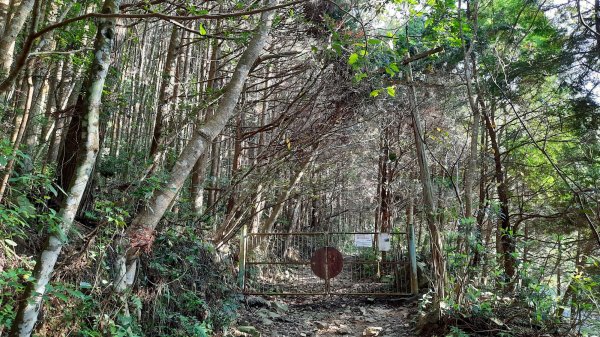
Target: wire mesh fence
{"points": [[280, 264]]}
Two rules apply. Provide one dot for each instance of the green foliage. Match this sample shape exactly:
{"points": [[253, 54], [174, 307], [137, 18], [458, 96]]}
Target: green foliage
{"points": [[198, 296], [110, 212], [11, 284], [456, 332]]}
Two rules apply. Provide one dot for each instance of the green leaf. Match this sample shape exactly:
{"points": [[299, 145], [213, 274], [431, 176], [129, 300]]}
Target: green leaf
{"points": [[374, 41], [391, 91], [52, 190], [394, 67], [353, 58], [25, 205], [358, 77], [61, 296], [202, 30], [374, 93], [337, 47]]}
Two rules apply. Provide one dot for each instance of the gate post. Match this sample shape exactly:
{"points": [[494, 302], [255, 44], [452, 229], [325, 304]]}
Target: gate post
{"points": [[327, 284], [412, 254], [242, 258]]}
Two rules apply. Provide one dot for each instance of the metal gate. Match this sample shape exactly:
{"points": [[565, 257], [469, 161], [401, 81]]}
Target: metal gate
{"points": [[287, 264]]}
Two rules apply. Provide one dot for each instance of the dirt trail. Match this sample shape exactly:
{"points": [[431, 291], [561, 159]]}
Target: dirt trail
{"points": [[325, 316]]}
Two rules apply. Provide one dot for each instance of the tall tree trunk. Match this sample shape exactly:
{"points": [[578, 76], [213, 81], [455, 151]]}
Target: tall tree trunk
{"points": [[215, 159], [197, 181], [437, 253], [470, 65], [4, 5], [236, 161], [504, 229], [9, 36], [20, 125], [597, 24], [140, 234], [28, 310], [482, 200], [167, 89]]}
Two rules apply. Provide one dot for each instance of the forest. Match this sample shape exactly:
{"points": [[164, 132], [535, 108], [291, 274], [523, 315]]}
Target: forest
{"points": [[300, 168]]}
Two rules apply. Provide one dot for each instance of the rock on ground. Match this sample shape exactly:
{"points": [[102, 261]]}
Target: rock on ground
{"points": [[316, 316]]}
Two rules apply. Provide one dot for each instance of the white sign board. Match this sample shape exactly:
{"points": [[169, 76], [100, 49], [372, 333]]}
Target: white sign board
{"points": [[363, 240], [383, 241]]}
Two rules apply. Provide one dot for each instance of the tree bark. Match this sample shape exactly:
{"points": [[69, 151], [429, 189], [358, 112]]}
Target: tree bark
{"points": [[12, 29], [470, 66], [4, 4], [167, 88], [437, 256], [20, 125], [597, 24], [504, 229], [28, 311], [197, 181]]}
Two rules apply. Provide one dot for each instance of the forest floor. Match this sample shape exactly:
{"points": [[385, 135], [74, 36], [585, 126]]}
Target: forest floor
{"points": [[325, 316]]}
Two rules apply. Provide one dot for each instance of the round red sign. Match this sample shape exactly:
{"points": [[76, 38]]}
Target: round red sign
{"points": [[327, 262]]}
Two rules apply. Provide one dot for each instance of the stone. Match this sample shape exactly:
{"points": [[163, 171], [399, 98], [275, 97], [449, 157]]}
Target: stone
{"points": [[321, 325], [264, 313], [257, 301], [372, 331], [280, 306], [344, 330], [249, 330]]}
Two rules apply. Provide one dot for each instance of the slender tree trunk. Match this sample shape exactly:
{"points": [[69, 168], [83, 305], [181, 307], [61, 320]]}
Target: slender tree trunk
{"points": [[482, 200], [470, 66], [20, 125], [28, 310], [167, 88], [259, 200], [597, 24], [4, 5], [11, 31], [505, 234], [197, 188], [236, 161], [37, 123], [437, 257], [215, 159]]}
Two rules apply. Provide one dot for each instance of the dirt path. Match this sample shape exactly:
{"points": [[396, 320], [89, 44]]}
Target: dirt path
{"points": [[325, 316]]}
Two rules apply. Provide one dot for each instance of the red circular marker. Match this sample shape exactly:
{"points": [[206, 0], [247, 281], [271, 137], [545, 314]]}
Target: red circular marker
{"points": [[327, 262]]}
